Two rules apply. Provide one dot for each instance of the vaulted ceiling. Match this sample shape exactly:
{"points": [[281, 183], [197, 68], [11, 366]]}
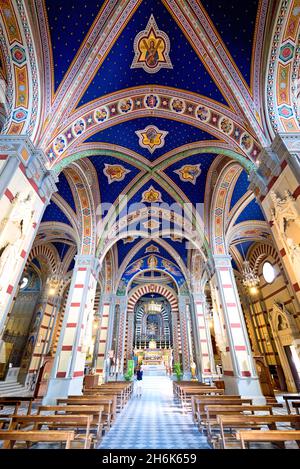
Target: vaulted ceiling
{"points": [[193, 114]]}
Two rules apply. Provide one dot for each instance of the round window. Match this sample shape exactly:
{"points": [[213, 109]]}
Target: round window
{"points": [[268, 272]]}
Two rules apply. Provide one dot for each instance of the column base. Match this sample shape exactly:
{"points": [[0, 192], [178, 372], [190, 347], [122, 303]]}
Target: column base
{"points": [[187, 376], [62, 388], [246, 387]]}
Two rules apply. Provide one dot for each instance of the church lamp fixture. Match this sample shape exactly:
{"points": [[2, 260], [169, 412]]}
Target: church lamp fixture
{"points": [[250, 279]]}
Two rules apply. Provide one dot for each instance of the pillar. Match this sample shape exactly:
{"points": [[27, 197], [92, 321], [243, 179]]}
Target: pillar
{"points": [[68, 370], [185, 349], [242, 378], [276, 185], [26, 187], [174, 315], [204, 337], [106, 312], [121, 336], [130, 332]]}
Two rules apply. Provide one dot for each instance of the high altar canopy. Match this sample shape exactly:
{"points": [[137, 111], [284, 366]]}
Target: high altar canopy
{"points": [[149, 149]]}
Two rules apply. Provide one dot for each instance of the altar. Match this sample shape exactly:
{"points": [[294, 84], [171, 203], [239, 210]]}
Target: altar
{"points": [[153, 358]]}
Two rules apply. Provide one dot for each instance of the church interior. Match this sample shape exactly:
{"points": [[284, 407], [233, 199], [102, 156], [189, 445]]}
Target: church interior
{"points": [[150, 222]]}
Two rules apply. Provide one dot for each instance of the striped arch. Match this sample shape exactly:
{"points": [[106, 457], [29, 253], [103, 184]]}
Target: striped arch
{"points": [[48, 254], [261, 251], [220, 207], [137, 292], [23, 80]]}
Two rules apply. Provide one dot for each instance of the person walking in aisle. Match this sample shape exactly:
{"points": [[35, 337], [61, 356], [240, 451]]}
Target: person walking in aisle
{"points": [[139, 378]]}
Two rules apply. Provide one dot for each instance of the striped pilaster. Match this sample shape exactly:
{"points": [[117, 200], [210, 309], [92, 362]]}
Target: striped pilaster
{"points": [[185, 351], [207, 357], [239, 346], [175, 336], [121, 335], [76, 330], [106, 309]]}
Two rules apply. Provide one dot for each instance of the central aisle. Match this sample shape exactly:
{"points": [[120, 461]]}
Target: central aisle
{"points": [[154, 421]]}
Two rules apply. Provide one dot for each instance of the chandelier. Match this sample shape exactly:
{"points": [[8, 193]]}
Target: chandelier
{"points": [[250, 279]]}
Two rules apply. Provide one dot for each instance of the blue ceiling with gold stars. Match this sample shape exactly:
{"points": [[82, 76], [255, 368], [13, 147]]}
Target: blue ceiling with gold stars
{"points": [[124, 134], [188, 72], [69, 23]]}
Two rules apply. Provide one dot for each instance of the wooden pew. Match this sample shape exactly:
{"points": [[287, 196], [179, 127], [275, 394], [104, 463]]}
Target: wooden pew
{"points": [[194, 407], [37, 437], [290, 397], [188, 392], [55, 422], [248, 436], [214, 400], [245, 421], [94, 410], [17, 401], [108, 413], [296, 405], [213, 411]]}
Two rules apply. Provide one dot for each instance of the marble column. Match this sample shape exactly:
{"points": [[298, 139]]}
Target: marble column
{"points": [[185, 349], [121, 336], [206, 350], [242, 379], [106, 313], [26, 186], [68, 370], [174, 315]]}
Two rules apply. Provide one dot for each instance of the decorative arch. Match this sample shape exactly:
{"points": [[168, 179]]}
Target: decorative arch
{"points": [[219, 207], [85, 199], [157, 102], [23, 77], [140, 291], [282, 87]]}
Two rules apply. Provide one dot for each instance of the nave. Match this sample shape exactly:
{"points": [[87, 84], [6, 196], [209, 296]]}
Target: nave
{"points": [[153, 421]]}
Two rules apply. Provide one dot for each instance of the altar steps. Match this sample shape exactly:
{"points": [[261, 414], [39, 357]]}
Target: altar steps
{"points": [[154, 370]]}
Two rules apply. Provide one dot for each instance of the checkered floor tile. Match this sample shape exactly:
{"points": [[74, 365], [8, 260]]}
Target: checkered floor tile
{"points": [[154, 421]]}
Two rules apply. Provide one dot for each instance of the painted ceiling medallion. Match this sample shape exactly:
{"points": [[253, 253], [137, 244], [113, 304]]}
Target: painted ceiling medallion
{"points": [[189, 173], [151, 138], [152, 248], [151, 224], [115, 172], [151, 47], [151, 195]]}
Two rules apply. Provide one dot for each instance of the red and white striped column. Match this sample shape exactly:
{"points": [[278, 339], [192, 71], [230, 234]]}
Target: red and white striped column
{"points": [[243, 378], [68, 370], [175, 336], [185, 349], [106, 307], [26, 187], [204, 337], [121, 336]]}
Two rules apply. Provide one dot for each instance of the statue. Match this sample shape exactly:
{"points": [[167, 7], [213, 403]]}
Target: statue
{"points": [[14, 231]]}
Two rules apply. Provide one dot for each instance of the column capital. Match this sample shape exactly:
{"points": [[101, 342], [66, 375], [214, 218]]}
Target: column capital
{"points": [[199, 297], [83, 260], [33, 160], [222, 260]]}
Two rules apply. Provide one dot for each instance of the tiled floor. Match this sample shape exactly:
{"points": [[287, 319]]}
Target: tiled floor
{"points": [[154, 421]]}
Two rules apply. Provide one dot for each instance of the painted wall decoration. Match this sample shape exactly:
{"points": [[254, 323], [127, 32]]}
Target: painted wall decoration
{"points": [[150, 262], [189, 173], [152, 248], [151, 47], [151, 138], [115, 172], [151, 195]]}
